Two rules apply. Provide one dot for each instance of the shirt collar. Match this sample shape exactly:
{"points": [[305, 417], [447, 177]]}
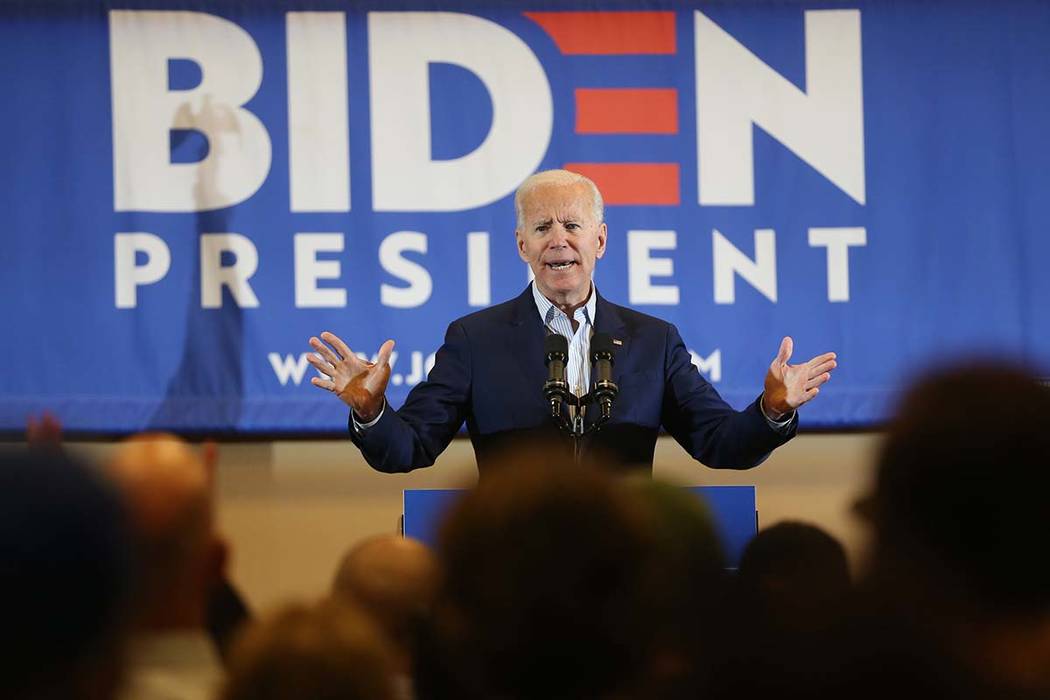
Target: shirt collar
{"points": [[548, 311]]}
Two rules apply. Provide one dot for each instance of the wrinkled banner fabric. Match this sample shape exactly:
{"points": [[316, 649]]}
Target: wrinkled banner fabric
{"points": [[189, 191]]}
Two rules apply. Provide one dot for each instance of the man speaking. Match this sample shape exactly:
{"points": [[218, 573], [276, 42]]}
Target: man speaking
{"points": [[490, 372]]}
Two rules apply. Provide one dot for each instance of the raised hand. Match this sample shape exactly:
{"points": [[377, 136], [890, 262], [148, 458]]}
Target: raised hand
{"points": [[790, 386], [360, 384]]}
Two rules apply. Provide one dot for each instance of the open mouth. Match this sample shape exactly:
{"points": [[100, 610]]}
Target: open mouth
{"points": [[561, 265]]}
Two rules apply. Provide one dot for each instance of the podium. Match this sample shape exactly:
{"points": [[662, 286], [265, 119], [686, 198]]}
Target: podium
{"points": [[731, 507]]}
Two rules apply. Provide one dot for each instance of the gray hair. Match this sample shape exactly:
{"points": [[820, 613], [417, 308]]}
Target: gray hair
{"points": [[559, 177]]}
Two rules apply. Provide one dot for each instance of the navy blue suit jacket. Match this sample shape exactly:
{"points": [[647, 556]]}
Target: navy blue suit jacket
{"points": [[490, 373]]}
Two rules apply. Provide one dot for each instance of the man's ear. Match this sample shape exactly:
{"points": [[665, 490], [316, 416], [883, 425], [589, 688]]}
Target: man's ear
{"points": [[521, 245], [603, 236]]}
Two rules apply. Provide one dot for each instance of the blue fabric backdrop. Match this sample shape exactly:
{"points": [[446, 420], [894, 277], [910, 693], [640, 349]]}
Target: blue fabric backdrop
{"points": [[897, 154]]}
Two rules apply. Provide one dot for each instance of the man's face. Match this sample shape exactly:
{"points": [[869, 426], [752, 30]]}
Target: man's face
{"points": [[561, 240]]}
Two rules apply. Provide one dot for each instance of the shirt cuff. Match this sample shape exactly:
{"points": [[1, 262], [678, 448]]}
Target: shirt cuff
{"points": [[778, 425], [361, 427]]}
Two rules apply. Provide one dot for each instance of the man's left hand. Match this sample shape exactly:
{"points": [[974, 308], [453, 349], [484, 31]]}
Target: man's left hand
{"points": [[790, 386]]}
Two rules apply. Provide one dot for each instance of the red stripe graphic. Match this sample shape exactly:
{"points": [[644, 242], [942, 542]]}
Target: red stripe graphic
{"points": [[633, 183], [609, 33], [627, 111]]}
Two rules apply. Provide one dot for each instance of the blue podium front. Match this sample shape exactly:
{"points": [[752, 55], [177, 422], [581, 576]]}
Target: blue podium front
{"points": [[732, 508]]}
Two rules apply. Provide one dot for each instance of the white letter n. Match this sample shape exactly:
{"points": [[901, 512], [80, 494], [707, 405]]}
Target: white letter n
{"points": [[823, 126]]}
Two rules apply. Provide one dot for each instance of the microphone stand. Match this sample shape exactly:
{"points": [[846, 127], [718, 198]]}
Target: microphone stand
{"points": [[556, 389], [575, 427]]}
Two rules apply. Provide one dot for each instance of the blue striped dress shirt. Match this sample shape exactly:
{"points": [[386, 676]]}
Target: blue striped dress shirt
{"points": [[578, 366]]}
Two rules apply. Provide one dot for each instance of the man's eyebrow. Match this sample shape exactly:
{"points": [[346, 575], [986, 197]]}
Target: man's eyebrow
{"points": [[544, 222]]}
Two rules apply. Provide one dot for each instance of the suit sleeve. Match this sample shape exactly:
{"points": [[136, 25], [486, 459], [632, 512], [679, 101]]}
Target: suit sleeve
{"points": [[704, 424], [415, 435]]}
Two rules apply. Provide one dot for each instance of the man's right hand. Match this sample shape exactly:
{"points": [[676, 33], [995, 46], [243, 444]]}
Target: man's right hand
{"points": [[360, 384]]}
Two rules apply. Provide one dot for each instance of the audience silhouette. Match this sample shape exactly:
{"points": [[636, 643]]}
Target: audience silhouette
{"points": [[553, 579]]}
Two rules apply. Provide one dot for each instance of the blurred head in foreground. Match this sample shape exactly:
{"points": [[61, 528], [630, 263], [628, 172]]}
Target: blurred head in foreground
{"points": [[794, 574], [687, 591], [64, 573], [327, 652], [790, 597], [168, 489], [961, 484], [394, 579], [546, 568], [960, 516]]}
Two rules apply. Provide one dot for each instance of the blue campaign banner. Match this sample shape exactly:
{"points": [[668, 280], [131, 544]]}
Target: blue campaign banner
{"points": [[190, 190]]}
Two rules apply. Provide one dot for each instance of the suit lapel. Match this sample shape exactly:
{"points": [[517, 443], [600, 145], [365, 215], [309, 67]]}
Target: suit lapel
{"points": [[607, 319]]}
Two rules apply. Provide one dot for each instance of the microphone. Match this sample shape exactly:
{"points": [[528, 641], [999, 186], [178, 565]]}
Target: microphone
{"points": [[603, 357], [556, 388]]}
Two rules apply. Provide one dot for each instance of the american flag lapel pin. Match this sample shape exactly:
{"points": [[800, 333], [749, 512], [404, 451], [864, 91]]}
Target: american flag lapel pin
{"points": [[617, 341]]}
